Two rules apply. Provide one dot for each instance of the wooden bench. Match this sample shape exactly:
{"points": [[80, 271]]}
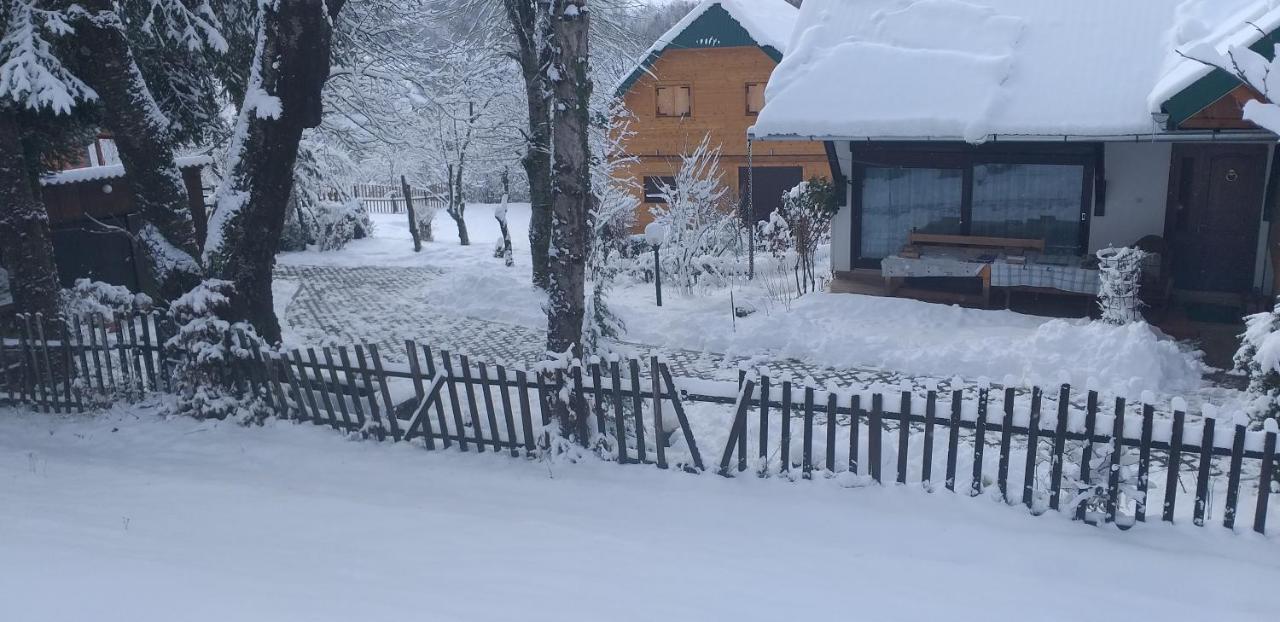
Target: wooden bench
{"points": [[969, 242]]}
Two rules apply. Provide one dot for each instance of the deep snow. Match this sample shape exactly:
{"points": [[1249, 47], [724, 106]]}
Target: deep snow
{"points": [[839, 330], [126, 516]]}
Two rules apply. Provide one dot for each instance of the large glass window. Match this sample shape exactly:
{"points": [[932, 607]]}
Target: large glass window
{"points": [[1034, 201], [897, 201]]}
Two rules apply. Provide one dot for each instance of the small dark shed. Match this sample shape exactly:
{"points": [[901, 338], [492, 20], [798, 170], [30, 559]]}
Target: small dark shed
{"points": [[84, 206]]}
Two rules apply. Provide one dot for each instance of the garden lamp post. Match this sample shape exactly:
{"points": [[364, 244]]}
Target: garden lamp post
{"points": [[655, 233]]}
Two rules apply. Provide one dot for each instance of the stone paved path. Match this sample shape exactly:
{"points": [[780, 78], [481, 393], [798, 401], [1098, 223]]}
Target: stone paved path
{"points": [[381, 305], [349, 305]]}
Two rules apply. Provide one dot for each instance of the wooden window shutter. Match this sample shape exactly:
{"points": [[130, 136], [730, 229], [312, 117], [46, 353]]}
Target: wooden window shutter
{"points": [[666, 102], [755, 97], [683, 107]]}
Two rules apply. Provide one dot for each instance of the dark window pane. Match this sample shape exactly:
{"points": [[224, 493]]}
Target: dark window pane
{"points": [[897, 201], [653, 188], [1034, 201]]}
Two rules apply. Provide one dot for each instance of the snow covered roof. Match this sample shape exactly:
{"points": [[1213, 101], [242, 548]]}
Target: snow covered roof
{"points": [[974, 69], [112, 171], [723, 23]]}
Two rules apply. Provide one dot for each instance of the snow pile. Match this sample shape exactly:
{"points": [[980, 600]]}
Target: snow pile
{"points": [[972, 69], [909, 336]]}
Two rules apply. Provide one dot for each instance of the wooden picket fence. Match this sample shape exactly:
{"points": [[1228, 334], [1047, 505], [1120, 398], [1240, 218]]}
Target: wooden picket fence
{"points": [[1034, 449], [856, 434], [97, 359]]}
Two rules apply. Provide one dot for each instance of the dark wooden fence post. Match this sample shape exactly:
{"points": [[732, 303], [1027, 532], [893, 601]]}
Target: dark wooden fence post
{"points": [[1173, 466], [1033, 450]]}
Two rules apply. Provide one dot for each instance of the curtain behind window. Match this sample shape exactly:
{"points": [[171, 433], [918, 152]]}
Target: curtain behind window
{"points": [[1034, 201], [897, 201]]}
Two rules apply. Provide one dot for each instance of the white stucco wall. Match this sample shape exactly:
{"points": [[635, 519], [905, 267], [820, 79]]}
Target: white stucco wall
{"points": [[1137, 190], [841, 225]]}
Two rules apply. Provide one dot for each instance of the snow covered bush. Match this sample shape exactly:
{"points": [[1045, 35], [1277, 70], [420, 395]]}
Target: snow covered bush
{"points": [[88, 297], [321, 208], [1094, 494], [610, 221], [340, 222], [799, 227], [213, 357], [1119, 276], [700, 224], [1259, 358]]}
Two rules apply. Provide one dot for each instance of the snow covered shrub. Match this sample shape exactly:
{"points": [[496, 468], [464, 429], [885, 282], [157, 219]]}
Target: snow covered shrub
{"points": [[88, 297], [799, 227], [701, 226], [1119, 276], [610, 221], [321, 208], [1259, 358], [211, 361], [340, 222], [1093, 494]]}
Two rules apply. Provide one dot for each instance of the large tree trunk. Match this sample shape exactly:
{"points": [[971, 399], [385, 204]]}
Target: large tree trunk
{"points": [[572, 198], [528, 21], [26, 246], [145, 142], [291, 65]]}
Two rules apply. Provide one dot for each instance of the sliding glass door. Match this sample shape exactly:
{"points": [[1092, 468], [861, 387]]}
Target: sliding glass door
{"points": [[897, 201]]}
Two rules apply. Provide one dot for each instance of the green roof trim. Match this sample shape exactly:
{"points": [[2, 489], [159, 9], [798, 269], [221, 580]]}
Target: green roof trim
{"points": [[715, 28], [1212, 87]]}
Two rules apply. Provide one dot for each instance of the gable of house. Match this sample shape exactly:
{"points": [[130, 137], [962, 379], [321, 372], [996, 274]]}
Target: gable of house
{"points": [[721, 24]]}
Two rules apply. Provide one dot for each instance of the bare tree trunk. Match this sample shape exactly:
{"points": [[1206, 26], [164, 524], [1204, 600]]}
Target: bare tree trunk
{"points": [[413, 216], [532, 29], [457, 205], [291, 64], [26, 246], [145, 143]]}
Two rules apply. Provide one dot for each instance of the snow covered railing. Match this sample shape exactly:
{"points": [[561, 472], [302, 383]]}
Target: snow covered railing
{"points": [[1047, 450]]}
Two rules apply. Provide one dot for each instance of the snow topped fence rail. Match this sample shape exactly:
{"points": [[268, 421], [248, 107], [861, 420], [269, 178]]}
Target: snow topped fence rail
{"points": [[1037, 449]]}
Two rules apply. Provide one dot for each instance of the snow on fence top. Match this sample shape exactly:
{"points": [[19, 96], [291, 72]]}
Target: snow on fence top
{"points": [[112, 171], [974, 69]]}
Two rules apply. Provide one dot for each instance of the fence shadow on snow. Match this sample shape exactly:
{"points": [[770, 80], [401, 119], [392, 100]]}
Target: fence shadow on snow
{"points": [[1037, 449]]}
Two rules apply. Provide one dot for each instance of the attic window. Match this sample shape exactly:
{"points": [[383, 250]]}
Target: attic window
{"points": [[673, 101], [755, 97]]}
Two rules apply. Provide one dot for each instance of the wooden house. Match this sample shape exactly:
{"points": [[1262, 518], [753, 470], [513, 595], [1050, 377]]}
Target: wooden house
{"points": [[1072, 125], [706, 77], [85, 203]]}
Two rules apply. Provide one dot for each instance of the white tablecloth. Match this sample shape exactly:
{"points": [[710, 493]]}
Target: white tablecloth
{"points": [[929, 266], [1065, 278]]}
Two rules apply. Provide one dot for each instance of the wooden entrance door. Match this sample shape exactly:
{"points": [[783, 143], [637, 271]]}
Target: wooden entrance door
{"points": [[767, 185], [1215, 203]]}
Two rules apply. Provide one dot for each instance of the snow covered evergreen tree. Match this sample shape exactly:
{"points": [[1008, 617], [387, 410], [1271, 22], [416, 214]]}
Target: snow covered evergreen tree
{"points": [[33, 82]]}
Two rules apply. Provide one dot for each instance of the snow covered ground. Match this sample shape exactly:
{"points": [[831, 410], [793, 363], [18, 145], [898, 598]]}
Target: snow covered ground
{"points": [[836, 330], [126, 516]]}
